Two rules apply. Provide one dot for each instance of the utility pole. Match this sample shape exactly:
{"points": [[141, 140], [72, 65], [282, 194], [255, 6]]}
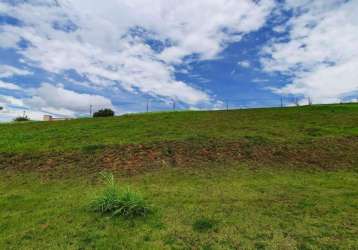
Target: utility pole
{"points": [[147, 105], [309, 101], [296, 102], [91, 110], [281, 102], [227, 105]]}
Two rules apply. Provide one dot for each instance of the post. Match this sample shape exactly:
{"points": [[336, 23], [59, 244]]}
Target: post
{"points": [[281, 102], [91, 110], [309, 101], [174, 105], [227, 106], [147, 105]]}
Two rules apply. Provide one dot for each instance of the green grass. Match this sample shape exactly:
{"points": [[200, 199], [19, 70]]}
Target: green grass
{"points": [[278, 125], [118, 201], [203, 225], [218, 207], [203, 199]]}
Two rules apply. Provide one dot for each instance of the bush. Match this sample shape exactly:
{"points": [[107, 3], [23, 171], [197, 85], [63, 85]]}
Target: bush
{"points": [[104, 113], [21, 119], [119, 202]]}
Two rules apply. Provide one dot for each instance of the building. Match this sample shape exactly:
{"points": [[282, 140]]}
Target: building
{"points": [[49, 118]]}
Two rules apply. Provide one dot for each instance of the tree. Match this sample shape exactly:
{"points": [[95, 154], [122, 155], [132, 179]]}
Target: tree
{"points": [[104, 113]]}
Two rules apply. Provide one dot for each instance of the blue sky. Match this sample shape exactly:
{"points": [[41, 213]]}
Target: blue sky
{"points": [[60, 57]]}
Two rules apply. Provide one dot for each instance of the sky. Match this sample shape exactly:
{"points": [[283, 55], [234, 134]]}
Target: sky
{"points": [[67, 57]]}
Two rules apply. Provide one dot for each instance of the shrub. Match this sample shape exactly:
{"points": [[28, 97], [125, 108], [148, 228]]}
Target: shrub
{"points": [[21, 119], [119, 202], [104, 113]]}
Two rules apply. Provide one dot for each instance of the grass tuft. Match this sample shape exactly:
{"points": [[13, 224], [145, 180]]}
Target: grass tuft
{"points": [[203, 225], [119, 202]]}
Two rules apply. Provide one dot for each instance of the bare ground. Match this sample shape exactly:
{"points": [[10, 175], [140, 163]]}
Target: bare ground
{"points": [[327, 153]]}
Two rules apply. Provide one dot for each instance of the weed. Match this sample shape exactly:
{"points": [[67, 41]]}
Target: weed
{"points": [[168, 151], [119, 202]]}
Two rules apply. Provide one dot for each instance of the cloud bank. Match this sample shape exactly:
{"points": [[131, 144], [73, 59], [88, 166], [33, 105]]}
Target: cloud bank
{"points": [[132, 44], [320, 51], [50, 98]]}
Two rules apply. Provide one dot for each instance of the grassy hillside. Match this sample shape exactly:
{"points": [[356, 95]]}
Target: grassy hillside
{"points": [[276, 125], [251, 179]]}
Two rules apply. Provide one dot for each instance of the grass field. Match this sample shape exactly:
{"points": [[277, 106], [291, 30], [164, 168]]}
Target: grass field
{"points": [[263, 209], [247, 179], [277, 125]]}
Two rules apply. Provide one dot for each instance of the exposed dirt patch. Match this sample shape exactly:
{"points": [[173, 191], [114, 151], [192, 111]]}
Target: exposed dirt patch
{"points": [[328, 153]]}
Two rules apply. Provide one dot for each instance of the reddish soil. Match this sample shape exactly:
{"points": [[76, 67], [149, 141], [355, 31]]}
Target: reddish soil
{"points": [[329, 154]]}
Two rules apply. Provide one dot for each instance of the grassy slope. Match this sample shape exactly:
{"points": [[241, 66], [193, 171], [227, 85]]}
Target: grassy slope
{"points": [[279, 125], [266, 208]]}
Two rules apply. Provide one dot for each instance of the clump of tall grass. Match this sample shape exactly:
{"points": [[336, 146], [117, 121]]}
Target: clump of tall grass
{"points": [[119, 201]]}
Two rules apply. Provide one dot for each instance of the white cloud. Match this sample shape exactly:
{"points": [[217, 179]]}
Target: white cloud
{"points": [[108, 41], [322, 53], [244, 64], [260, 80], [10, 114], [9, 71], [57, 100], [9, 86], [8, 111], [50, 99], [10, 100], [279, 28]]}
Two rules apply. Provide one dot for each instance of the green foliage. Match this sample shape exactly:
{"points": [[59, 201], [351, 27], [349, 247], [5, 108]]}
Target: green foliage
{"points": [[104, 113], [21, 119], [119, 202], [203, 225]]}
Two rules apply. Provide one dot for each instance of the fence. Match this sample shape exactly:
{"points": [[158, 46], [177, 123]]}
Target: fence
{"points": [[155, 105]]}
